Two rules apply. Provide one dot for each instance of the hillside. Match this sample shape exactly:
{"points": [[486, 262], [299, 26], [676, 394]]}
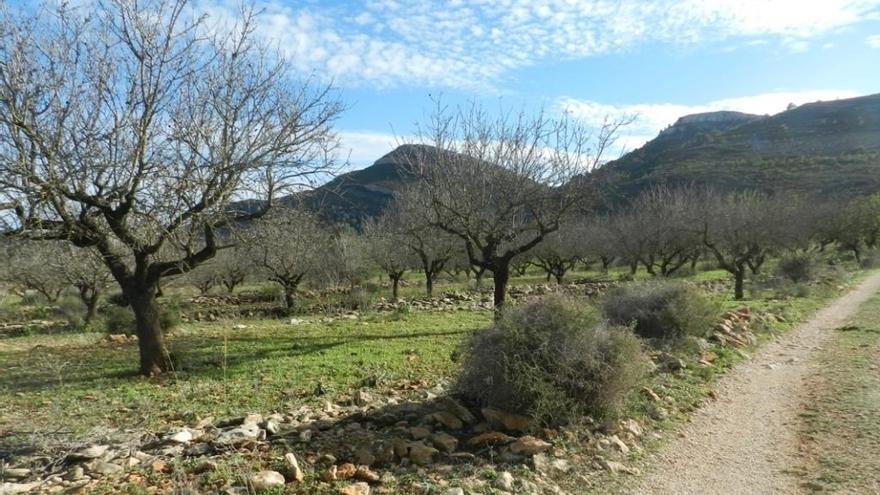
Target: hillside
{"points": [[824, 147]]}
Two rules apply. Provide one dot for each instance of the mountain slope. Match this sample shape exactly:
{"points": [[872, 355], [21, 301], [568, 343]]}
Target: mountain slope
{"points": [[824, 147]]}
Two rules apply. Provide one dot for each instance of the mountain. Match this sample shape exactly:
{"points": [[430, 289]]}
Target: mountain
{"points": [[826, 148], [830, 147]]}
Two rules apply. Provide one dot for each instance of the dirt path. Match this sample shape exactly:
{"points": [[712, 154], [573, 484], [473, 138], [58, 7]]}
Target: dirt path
{"points": [[745, 442]]}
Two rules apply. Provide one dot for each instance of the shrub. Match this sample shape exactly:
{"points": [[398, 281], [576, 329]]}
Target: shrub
{"points": [[118, 319], [553, 359], [661, 310], [870, 259], [360, 298], [169, 317], [797, 267], [117, 299]]}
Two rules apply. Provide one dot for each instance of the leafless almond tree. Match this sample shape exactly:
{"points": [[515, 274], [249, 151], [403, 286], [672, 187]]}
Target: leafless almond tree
{"points": [[386, 245], [130, 126], [502, 181]]}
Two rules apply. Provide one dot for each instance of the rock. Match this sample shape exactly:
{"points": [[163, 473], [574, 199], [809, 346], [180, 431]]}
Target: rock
{"points": [[510, 422], [420, 454], [345, 471], [355, 489], [75, 473], [267, 480], [614, 467], [504, 481], [89, 453], [529, 445], [15, 473], [105, 468], [252, 419], [651, 394], [365, 474], [183, 436], [419, 432], [364, 457], [245, 432], [455, 491], [669, 362], [272, 427], [15, 488], [444, 442], [546, 464], [489, 438], [205, 467], [448, 420], [330, 474], [294, 473], [632, 427], [458, 410], [305, 436], [159, 466], [361, 398], [618, 444]]}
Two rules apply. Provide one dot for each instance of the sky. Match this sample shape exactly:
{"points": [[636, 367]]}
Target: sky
{"points": [[656, 59]]}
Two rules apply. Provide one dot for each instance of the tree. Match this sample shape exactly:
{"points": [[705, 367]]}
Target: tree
{"points": [[433, 247], [286, 244], [387, 248], [559, 252], [33, 265], [85, 270], [132, 133], [502, 183], [740, 229], [233, 266]]}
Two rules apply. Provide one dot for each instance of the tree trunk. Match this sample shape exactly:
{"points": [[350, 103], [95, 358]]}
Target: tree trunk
{"points": [[500, 276], [429, 283], [633, 267], [559, 276], [478, 277], [395, 287], [154, 357], [289, 301], [89, 298], [739, 276]]}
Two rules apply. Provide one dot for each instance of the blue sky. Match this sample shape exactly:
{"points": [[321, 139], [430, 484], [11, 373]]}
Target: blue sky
{"points": [[659, 59]]}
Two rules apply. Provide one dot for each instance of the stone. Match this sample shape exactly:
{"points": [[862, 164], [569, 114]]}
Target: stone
{"points": [[618, 444], [294, 473], [345, 471], [489, 438], [330, 474], [510, 422], [504, 481], [455, 491], [529, 445], [15, 473], [458, 410], [89, 453], [360, 488], [182, 436], [632, 427], [76, 473], [267, 480], [272, 427], [105, 468], [252, 419], [305, 436], [420, 454], [651, 394], [419, 432], [444, 442], [361, 398], [159, 466], [448, 420], [546, 464], [363, 456], [669, 362], [245, 432], [205, 467], [613, 466], [15, 488], [365, 474]]}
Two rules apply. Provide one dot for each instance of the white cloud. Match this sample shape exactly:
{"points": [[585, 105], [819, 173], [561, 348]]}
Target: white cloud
{"points": [[873, 41], [475, 44], [362, 148], [654, 117]]}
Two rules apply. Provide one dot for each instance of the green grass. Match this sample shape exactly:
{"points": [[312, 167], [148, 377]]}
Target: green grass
{"points": [[85, 382], [840, 427]]}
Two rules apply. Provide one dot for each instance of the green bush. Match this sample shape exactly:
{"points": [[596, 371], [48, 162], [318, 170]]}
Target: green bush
{"points": [[554, 359], [797, 267], [118, 319], [870, 259], [663, 311], [117, 299], [169, 317]]}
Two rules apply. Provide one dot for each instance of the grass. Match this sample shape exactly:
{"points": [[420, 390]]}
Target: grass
{"points": [[840, 428], [221, 370]]}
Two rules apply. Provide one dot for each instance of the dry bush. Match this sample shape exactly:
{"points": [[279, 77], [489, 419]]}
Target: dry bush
{"points": [[554, 359], [662, 311]]}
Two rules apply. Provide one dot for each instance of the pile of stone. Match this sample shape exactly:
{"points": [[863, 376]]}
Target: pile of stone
{"points": [[735, 329]]}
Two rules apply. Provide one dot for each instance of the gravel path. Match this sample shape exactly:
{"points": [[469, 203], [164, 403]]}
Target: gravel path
{"points": [[744, 442]]}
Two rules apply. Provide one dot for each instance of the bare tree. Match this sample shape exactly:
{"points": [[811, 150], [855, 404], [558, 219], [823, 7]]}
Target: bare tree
{"points": [[286, 244], [233, 266], [33, 265], [433, 247], [86, 271], [130, 126], [502, 183], [740, 229], [387, 247], [560, 252]]}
